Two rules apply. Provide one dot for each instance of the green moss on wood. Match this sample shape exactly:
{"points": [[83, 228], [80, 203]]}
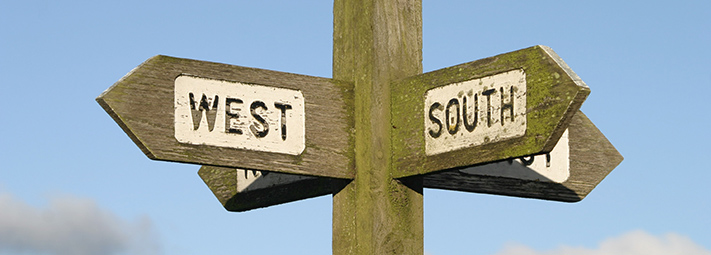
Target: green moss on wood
{"points": [[552, 98]]}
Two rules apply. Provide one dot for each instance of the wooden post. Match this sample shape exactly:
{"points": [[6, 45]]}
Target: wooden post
{"points": [[376, 42]]}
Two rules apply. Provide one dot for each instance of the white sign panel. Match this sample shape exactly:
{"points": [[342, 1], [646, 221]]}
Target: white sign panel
{"points": [[475, 112], [549, 167], [238, 115], [252, 180]]}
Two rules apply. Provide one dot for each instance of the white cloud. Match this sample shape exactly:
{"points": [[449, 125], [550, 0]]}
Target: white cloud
{"points": [[70, 226], [632, 243]]}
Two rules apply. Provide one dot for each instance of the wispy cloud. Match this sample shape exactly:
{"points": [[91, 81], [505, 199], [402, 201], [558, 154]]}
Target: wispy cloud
{"points": [[71, 226], [633, 243]]}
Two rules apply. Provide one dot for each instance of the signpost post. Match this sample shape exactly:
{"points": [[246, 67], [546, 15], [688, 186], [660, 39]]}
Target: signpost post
{"points": [[376, 134], [375, 43]]}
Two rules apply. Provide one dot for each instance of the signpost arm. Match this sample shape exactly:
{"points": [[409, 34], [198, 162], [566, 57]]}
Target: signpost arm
{"points": [[375, 43]]}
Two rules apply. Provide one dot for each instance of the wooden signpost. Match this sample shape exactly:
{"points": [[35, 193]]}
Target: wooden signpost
{"points": [[579, 162], [376, 134]]}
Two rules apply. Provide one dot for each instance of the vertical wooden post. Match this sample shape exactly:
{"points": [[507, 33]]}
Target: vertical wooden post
{"points": [[374, 43]]}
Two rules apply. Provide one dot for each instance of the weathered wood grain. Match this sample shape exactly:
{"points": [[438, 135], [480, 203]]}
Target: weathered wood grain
{"points": [[554, 94], [592, 157], [374, 43], [142, 104]]}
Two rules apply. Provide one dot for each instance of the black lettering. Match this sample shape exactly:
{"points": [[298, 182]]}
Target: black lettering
{"points": [[488, 93], [509, 105], [452, 129], [465, 116], [436, 121], [264, 130], [283, 108], [230, 115], [255, 173], [197, 111], [527, 162]]}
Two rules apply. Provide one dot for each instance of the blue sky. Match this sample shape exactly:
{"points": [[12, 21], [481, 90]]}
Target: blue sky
{"points": [[71, 182]]}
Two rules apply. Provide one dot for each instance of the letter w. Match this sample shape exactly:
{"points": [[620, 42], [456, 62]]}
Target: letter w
{"points": [[204, 105]]}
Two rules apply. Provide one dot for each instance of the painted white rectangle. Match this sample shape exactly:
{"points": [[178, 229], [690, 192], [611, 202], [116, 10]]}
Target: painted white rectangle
{"points": [[238, 115], [549, 167], [475, 112]]}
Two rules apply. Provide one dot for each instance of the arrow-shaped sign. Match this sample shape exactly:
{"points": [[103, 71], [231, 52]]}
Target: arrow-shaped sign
{"points": [[241, 190], [576, 165], [216, 114], [580, 161], [502, 107]]}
